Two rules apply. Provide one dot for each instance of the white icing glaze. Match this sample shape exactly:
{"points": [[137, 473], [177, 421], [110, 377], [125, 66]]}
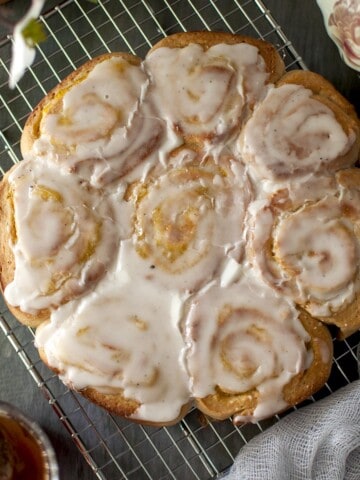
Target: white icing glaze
{"points": [[310, 187], [290, 133], [324, 350], [204, 92], [241, 338]]}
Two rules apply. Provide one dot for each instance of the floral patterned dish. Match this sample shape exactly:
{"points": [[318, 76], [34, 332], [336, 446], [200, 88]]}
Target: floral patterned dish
{"points": [[342, 22]]}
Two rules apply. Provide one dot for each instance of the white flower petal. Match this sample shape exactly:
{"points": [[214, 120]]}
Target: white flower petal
{"points": [[22, 55]]}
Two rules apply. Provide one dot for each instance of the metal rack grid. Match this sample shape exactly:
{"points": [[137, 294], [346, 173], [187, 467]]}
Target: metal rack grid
{"points": [[79, 30]]}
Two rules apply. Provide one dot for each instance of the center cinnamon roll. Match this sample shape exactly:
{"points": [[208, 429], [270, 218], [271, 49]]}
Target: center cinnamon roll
{"points": [[190, 218]]}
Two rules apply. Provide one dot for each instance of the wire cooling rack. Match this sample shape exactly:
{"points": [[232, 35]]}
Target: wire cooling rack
{"points": [[77, 31]]}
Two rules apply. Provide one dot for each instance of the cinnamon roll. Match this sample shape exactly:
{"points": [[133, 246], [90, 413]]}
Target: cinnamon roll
{"points": [[299, 129], [132, 373], [204, 88], [311, 253], [247, 348], [189, 219], [62, 238], [96, 122]]}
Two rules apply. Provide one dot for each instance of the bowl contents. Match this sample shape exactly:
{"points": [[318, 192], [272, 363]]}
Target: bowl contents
{"points": [[25, 451]]}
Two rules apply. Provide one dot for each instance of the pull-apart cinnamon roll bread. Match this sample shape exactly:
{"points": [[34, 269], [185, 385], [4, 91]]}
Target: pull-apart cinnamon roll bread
{"points": [[302, 127], [182, 228]]}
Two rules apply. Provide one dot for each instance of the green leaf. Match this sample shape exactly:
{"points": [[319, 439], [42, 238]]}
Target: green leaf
{"points": [[33, 33]]}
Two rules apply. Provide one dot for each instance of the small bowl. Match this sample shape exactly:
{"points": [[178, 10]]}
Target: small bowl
{"points": [[25, 450], [342, 22]]}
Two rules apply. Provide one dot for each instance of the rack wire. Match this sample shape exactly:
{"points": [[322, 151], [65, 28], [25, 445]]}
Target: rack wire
{"points": [[77, 31]]}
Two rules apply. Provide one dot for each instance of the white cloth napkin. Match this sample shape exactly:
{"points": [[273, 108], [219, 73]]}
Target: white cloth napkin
{"points": [[317, 442]]}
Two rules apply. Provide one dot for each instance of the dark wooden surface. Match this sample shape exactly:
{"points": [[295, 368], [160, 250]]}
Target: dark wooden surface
{"points": [[301, 21]]}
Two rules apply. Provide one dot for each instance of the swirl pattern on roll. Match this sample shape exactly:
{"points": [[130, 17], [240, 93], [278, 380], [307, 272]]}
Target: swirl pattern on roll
{"points": [[64, 237], [141, 363], [311, 253], [206, 93], [291, 133], [97, 132], [241, 339], [190, 218]]}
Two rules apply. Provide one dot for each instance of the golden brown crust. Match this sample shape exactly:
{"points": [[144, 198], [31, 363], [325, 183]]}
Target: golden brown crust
{"points": [[117, 403], [52, 102], [274, 64], [347, 320], [349, 178], [311, 380], [6, 234], [125, 407], [221, 405]]}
